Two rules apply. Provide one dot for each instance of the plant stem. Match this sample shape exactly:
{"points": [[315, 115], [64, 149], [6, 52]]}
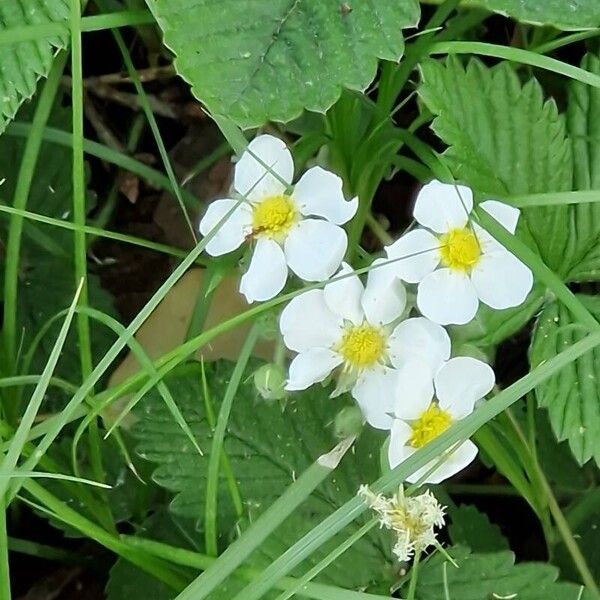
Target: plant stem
{"points": [[414, 576]]}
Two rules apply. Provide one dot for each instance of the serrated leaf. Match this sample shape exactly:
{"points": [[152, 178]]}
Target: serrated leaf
{"points": [[267, 448], [571, 397], [503, 138], [269, 59], [492, 575], [472, 528], [583, 122], [23, 63], [574, 14]]}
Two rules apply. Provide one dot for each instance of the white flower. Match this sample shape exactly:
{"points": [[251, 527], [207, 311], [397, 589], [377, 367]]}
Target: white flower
{"points": [[282, 223], [426, 406], [348, 325], [412, 519], [473, 266]]}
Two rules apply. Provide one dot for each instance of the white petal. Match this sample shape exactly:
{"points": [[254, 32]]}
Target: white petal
{"points": [[419, 338], [306, 322], [314, 249], [461, 382], [421, 248], [266, 274], [501, 279], [343, 296], [319, 192], [399, 450], [447, 297], [311, 367], [384, 298], [442, 206], [231, 233], [414, 389], [463, 456], [253, 180], [506, 215], [374, 392]]}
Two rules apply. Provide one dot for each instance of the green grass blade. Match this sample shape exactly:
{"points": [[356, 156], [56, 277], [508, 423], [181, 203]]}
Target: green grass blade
{"points": [[330, 558], [125, 18], [97, 232], [188, 558], [23, 380], [260, 529], [18, 474], [20, 438], [554, 198], [64, 138], [216, 450], [16, 35], [526, 57], [153, 126], [4, 566], [25, 177]]}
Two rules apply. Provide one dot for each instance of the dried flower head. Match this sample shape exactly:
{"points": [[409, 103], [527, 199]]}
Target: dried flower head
{"points": [[412, 519]]}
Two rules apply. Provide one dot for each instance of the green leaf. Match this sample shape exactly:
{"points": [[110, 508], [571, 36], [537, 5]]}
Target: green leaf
{"points": [[267, 448], [269, 59], [574, 14], [504, 139], [23, 63], [572, 398], [469, 527], [491, 575], [583, 122]]}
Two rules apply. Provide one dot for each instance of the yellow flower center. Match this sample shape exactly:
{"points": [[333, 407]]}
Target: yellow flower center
{"points": [[274, 217], [432, 423], [363, 345], [460, 249]]}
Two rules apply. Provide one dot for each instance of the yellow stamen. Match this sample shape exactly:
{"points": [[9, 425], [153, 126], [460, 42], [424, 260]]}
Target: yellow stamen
{"points": [[460, 249], [274, 217], [432, 423], [363, 345]]}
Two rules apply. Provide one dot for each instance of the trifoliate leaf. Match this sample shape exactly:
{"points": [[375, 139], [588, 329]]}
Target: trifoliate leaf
{"points": [[24, 62], [469, 527], [574, 14], [571, 396], [583, 122], [491, 575], [504, 139], [269, 59], [267, 449]]}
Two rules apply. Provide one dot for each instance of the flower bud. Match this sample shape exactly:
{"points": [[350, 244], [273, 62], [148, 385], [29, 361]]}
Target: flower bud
{"points": [[349, 421], [269, 381]]}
